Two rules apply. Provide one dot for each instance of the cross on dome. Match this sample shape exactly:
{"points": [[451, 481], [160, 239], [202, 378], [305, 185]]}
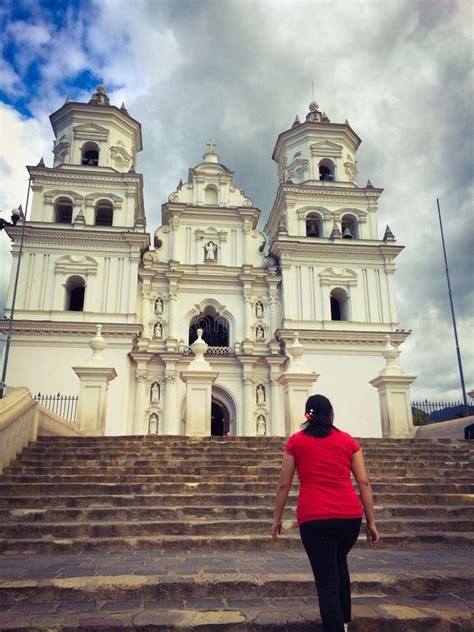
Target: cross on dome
{"points": [[211, 144], [211, 155]]}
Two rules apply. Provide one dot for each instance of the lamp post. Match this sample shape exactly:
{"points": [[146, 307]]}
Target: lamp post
{"points": [[16, 214]]}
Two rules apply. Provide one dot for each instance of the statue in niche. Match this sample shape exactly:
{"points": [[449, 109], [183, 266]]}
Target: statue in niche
{"points": [[259, 333], [259, 309], [158, 306], [260, 394], [261, 425], [210, 251], [158, 330], [154, 393], [153, 423]]}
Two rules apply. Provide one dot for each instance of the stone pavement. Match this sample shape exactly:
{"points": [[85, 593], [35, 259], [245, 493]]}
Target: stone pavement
{"points": [[195, 563], [244, 590]]}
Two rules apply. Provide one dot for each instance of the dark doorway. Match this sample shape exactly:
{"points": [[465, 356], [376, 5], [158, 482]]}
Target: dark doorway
{"points": [[218, 420]]}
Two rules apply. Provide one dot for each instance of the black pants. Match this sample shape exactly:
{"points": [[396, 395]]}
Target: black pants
{"points": [[327, 543]]}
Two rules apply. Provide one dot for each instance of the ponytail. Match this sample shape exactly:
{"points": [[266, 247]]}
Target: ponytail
{"points": [[319, 417]]}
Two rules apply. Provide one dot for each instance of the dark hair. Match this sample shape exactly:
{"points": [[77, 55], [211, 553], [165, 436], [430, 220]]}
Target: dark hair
{"points": [[319, 416]]}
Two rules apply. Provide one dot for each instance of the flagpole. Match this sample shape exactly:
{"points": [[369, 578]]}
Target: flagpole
{"points": [[458, 351]]}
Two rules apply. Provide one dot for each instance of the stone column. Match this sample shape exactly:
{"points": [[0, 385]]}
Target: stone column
{"points": [[199, 378], [393, 385], [174, 225], [298, 381], [171, 425], [247, 428], [137, 423], [248, 317], [147, 302], [277, 405], [94, 376], [172, 315]]}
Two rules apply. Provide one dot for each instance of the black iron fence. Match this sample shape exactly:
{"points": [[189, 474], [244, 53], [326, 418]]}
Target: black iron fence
{"points": [[429, 412], [63, 405]]}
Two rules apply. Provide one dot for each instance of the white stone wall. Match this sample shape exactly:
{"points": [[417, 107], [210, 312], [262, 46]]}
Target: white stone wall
{"points": [[306, 293], [44, 365], [110, 278], [344, 379]]}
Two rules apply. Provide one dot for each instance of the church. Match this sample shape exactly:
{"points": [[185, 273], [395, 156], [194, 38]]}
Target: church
{"points": [[317, 279]]}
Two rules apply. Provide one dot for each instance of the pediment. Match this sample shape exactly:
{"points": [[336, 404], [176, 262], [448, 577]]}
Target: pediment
{"points": [[69, 264], [326, 148], [343, 276], [90, 131], [90, 127]]}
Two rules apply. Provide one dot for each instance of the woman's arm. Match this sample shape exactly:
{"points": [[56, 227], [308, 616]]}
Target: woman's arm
{"points": [[365, 489], [283, 488]]}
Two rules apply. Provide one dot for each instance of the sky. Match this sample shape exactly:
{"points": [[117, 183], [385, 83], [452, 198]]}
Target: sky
{"points": [[238, 71]]}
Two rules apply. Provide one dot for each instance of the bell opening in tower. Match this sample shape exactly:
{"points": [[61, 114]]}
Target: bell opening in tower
{"points": [[90, 155]]}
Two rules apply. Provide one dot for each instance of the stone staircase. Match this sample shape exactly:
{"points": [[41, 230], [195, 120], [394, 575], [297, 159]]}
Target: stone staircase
{"points": [[163, 533]]}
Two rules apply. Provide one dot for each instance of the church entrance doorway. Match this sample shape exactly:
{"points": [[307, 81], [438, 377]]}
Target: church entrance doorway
{"points": [[219, 419]]}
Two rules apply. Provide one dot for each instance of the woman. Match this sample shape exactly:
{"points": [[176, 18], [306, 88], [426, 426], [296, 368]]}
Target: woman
{"points": [[329, 511]]}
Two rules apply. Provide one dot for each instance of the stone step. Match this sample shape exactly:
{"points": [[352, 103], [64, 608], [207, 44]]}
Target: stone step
{"points": [[229, 448], [230, 442], [210, 499], [408, 540], [188, 467], [127, 487], [43, 513], [370, 614], [185, 526], [218, 586], [272, 591], [229, 478], [249, 442]]}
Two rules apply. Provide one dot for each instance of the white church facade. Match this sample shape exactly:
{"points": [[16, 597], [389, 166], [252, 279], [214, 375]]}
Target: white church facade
{"points": [[318, 270]]}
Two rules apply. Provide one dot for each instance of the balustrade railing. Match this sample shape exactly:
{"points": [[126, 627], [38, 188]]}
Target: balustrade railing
{"points": [[220, 352], [63, 405]]}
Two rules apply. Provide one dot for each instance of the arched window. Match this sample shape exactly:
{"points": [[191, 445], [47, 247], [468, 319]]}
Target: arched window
{"points": [[339, 304], [215, 328], [75, 291], [90, 155], [326, 169], [63, 211], [349, 227], [104, 213], [314, 225], [210, 195]]}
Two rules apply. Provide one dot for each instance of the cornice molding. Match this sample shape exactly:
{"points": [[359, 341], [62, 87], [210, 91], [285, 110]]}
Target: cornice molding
{"points": [[61, 328], [53, 175], [43, 235], [342, 250], [341, 337]]}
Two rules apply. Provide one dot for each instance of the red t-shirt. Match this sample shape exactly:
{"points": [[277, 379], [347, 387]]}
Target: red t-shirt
{"points": [[324, 467]]}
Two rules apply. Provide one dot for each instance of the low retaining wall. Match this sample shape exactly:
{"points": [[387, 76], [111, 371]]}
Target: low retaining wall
{"points": [[22, 420], [452, 429]]}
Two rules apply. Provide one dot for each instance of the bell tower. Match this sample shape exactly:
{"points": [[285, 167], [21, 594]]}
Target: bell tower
{"points": [[86, 227], [83, 240], [337, 286]]}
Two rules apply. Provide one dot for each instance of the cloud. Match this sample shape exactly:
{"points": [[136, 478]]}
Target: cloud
{"points": [[239, 71], [23, 142], [10, 82]]}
